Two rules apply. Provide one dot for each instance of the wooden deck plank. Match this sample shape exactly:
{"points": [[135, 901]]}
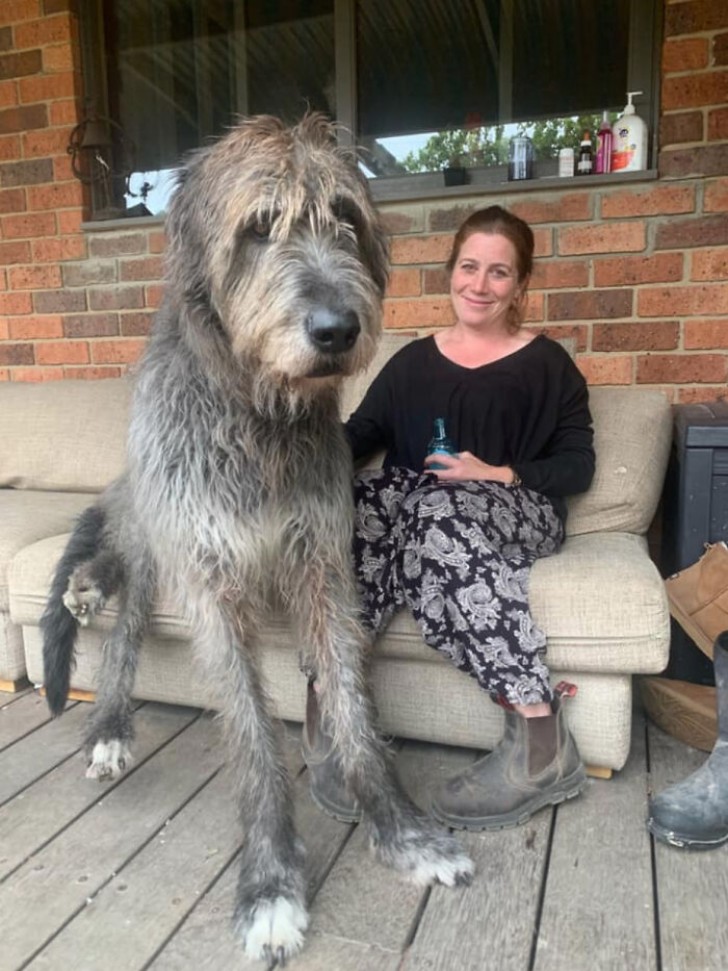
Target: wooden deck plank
{"points": [[48, 890], [692, 887], [598, 895], [50, 804], [20, 716]]}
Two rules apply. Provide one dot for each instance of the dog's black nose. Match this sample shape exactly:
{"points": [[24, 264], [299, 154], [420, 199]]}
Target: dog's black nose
{"points": [[333, 332]]}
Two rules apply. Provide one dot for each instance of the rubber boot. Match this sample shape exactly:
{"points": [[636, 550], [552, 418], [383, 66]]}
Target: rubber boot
{"points": [[536, 764], [328, 789], [694, 813]]}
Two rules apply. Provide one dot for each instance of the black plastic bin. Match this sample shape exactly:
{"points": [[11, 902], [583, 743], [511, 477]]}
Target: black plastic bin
{"points": [[695, 512]]}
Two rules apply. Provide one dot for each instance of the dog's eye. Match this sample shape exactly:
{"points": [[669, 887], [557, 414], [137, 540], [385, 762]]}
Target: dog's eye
{"points": [[346, 213], [261, 228]]}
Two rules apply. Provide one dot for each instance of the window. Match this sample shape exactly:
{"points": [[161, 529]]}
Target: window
{"points": [[418, 82]]}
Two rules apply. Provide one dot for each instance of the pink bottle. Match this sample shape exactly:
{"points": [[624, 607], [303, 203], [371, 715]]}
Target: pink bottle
{"points": [[604, 146]]}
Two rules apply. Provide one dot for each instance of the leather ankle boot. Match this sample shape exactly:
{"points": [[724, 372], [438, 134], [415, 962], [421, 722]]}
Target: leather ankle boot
{"points": [[694, 813], [698, 597], [328, 789], [535, 764]]}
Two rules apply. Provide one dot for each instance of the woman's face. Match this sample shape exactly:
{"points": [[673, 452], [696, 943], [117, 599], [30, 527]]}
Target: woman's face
{"points": [[484, 281]]}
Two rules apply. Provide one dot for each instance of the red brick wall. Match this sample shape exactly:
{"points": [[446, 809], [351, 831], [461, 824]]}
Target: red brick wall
{"points": [[637, 272]]}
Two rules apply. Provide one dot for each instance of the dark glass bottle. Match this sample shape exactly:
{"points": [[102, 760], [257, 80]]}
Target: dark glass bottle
{"points": [[585, 161], [440, 444]]}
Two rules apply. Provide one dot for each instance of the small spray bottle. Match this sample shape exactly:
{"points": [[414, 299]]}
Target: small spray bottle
{"points": [[604, 146], [440, 444]]}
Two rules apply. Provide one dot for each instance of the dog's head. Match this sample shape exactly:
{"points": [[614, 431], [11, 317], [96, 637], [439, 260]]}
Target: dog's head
{"points": [[273, 229]]}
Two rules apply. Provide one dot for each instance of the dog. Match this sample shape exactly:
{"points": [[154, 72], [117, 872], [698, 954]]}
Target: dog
{"points": [[238, 492]]}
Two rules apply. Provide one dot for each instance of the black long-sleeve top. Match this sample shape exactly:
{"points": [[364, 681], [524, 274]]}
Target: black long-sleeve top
{"points": [[529, 410]]}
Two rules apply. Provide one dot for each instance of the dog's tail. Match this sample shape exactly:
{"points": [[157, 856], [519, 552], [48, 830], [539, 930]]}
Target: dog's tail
{"points": [[58, 624]]}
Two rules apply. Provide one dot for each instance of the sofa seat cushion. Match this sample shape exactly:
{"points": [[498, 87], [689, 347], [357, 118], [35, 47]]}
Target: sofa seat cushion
{"points": [[595, 584]]}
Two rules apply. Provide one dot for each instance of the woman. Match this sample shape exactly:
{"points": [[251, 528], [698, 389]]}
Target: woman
{"points": [[453, 537]]}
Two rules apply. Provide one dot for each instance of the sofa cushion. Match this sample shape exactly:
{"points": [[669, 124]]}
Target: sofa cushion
{"points": [[594, 584], [632, 436], [65, 436]]}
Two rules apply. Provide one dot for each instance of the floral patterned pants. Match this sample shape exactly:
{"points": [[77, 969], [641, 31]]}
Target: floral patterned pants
{"points": [[458, 555]]}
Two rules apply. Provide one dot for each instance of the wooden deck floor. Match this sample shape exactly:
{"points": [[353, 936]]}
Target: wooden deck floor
{"points": [[139, 874]]}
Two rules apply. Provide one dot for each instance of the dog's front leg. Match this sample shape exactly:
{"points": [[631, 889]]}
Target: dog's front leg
{"points": [[270, 912], [403, 837]]}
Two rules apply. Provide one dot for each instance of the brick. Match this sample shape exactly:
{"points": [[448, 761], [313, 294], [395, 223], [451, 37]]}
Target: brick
{"points": [[91, 325], [589, 304], [602, 238], [58, 58], [15, 253], [418, 313], [157, 241], [28, 226], [578, 331], [63, 195], [34, 277], [543, 242], [720, 49], [125, 351], [652, 201], [59, 249], [449, 217], [35, 375], [64, 113], [18, 64], [61, 352], [136, 325], [149, 268], [16, 303], [571, 207], [700, 231], [403, 219], [710, 264], [26, 173], [715, 197], [649, 335], [69, 221], [15, 11], [4, 331], [694, 16], [11, 354], [12, 200], [685, 54], [535, 307], [608, 369], [91, 373], [154, 295], [695, 90], [116, 244], [41, 144], [31, 327], [718, 124], [421, 249], [405, 283], [631, 270], [698, 162], [47, 87], [115, 298], [690, 301], [62, 169], [435, 281], [10, 148], [693, 396], [681, 126], [48, 30], [59, 301], [705, 334], [558, 274], [6, 39], [681, 368], [23, 119], [8, 94], [59, 6], [88, 272]]}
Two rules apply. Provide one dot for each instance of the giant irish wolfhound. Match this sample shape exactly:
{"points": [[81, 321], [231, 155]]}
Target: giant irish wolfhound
{"points": [[238, 489]]}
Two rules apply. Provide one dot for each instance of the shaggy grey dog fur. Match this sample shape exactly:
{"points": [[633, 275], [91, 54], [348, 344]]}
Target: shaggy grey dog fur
{"points": [[238, 491]]}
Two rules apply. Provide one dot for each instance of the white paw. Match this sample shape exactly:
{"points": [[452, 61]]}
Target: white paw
{"points": [[454, 869], [275, 929], [108, 760], [83, 602]]}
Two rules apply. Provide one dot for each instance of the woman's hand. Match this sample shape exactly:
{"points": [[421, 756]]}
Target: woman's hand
{"points": [[465, 465]]}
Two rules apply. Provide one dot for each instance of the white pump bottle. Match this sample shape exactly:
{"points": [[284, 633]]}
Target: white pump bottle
{"points": [[629, 139]]}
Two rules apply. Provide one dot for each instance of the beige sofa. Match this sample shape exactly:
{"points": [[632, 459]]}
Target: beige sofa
{"points": [[600, 600]]}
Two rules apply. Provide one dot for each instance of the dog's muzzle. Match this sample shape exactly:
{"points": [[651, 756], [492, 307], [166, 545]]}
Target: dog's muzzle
{"points": [[332, 331]]}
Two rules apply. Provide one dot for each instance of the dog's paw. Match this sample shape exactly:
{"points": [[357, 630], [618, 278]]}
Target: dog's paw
{"points": [[272, 930], [426, 854], [108, 760], [83, 598]]}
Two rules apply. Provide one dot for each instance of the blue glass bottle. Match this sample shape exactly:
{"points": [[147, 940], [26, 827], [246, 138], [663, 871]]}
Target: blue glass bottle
{"points": [[440, 444]]}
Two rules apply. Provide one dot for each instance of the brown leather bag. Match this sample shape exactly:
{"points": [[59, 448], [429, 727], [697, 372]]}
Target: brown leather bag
{"points": [[698, 597]]}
